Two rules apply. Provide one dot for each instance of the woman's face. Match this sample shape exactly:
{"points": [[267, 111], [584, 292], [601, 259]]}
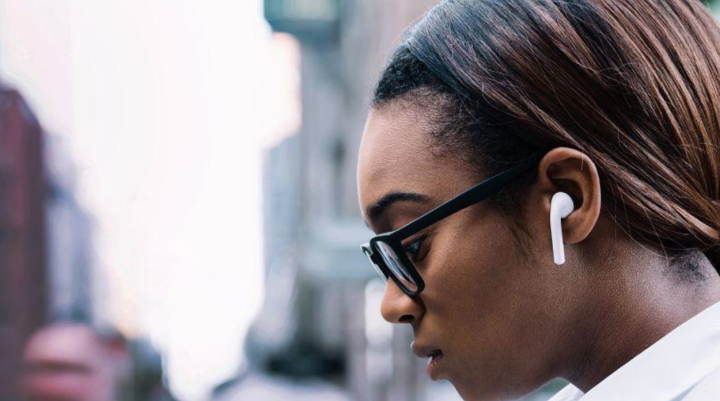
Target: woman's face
{"points": [[485, 305]]}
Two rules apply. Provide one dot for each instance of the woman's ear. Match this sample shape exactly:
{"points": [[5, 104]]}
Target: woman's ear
{"points": [[571, 171]]}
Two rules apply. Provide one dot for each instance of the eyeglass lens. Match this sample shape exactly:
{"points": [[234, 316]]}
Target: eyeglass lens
{"points": [[396, 266]]}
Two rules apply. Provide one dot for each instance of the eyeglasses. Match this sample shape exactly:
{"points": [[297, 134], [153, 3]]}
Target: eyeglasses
{"points": [[386, 252]]}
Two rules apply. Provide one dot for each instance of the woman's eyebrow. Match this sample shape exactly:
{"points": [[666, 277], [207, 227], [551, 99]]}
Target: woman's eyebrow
{"points": [[376, 211]]}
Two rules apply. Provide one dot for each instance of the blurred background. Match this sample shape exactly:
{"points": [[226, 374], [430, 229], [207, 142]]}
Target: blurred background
{"points": [[178, 213]]}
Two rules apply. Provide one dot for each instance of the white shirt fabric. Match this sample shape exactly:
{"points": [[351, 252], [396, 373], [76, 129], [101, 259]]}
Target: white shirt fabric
{"points": [[683, 365]]}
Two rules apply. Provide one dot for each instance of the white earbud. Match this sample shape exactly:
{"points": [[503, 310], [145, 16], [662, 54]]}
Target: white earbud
{"points": [[561, 206]]}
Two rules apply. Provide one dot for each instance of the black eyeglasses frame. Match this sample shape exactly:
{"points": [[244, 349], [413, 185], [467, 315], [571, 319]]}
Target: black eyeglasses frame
{"points": [[393, 239]]}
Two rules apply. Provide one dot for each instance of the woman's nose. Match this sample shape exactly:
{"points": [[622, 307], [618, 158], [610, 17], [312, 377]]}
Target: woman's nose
{"points": [[398, 307]]}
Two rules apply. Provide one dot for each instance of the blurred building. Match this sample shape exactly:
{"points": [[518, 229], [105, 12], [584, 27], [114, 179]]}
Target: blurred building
{"points": [[69, 231], [23, 258]]}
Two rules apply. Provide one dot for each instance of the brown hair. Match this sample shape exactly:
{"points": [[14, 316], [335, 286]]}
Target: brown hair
{"points": [[634, 84]]}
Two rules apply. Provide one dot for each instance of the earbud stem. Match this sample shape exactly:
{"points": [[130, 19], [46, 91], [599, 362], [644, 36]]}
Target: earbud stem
{"points": [[561, 206]]}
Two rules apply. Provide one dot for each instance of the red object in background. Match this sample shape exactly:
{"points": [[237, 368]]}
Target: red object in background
{"points": [[23, 267]]}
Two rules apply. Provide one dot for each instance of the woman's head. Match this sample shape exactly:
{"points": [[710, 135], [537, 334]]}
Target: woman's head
{"points": [[623, 97]]}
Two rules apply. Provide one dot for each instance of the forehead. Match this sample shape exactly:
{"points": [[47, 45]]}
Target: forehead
{"points": [[399, 154]]}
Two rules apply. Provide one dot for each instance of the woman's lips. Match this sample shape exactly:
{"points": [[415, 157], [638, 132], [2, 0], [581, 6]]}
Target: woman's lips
{"points": [[432, 364], [433, 355]]}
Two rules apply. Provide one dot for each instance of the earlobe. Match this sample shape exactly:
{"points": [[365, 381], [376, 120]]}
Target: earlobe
{"points": [[574, 173]]}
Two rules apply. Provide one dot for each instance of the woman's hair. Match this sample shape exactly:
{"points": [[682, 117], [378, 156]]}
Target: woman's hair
{"points": [[634, 84]]}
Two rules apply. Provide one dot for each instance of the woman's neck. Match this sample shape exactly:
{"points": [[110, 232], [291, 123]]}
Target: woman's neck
{"points": [[634, 305]]}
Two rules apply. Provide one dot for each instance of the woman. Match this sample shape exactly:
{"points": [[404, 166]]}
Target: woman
{"points": [[615, 103]]}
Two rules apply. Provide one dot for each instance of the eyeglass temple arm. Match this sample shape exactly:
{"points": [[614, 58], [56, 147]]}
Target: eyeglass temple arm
{"points": [[468, 198]]}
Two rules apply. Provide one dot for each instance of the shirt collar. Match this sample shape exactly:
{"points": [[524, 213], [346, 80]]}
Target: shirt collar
{"points": [[664, 371]]}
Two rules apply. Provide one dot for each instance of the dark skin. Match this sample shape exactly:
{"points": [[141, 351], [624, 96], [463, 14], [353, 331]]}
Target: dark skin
{"points": [[505, 317]]}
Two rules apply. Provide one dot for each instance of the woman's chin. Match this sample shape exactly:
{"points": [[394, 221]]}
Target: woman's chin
{"points": [[472, 390]]}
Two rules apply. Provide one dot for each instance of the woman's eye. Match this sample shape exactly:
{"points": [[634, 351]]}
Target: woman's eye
{"points": [[414, 248]]}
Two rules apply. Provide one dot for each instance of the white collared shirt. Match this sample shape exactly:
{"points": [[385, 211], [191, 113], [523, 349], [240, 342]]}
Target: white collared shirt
{"points": [[683, 365]]}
